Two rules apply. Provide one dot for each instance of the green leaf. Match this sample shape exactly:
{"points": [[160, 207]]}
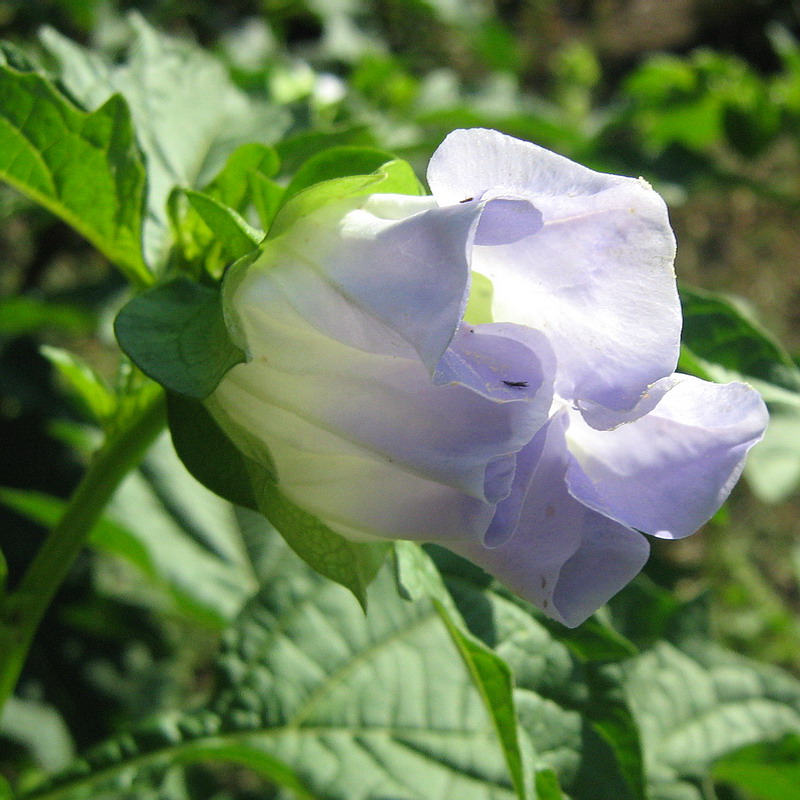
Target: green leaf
{"points": [[245, 182], [189, 116], [493, 678], [699, 705], [768, 771], [231, 186], [176, 334], [417, 577], [573, 714], [340, 162], [547, 787], [212, 228], [724, 342], [85, 168], [22, 315], [773, 465], [86, 384], [593, 640], [721, 331], [295, 150], [233, 234], [326, 702]]}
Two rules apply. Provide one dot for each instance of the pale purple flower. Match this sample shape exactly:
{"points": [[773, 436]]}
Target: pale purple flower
{"points": [[537, 445]]}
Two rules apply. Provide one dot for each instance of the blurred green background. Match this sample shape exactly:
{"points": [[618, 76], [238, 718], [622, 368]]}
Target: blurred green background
{"points": [[700, 97]]}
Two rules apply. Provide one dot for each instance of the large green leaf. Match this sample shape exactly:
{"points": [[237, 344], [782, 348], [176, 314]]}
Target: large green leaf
{"points": [[326, 701], [768, 771], [417, 577], [189, 116], [85, 168], [723, 341], [721, 331], [697, 705], [572, 713]]}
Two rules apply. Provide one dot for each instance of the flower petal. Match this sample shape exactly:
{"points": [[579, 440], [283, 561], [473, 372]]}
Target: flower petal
{"points": [[604, 419], [356, 492], [506, 220], [501, 362], [396, 257], [597, 278], [668, 472], [376, 411], [470, 162], [564, 557]]}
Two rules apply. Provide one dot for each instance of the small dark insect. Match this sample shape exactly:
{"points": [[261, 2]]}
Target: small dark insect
{"points": [[466, 200], [517, 384]]}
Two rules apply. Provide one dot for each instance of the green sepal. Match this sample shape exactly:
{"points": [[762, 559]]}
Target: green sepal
{"points": [[394, 177], [354, 565], [207, 452], [342, 162], [176, 334], [242, 473]]}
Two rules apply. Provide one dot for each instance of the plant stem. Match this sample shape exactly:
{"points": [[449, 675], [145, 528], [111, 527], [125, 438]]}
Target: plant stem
{"points": [[24, 608]]}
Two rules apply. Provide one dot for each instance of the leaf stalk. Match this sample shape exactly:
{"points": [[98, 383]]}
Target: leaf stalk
{"points": [[23, 609]]}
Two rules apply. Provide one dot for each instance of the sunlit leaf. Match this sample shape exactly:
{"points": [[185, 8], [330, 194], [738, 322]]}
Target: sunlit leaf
{"points": [[85, 168], [572, 713], [327, 702], [694, 709], [189, 116]]}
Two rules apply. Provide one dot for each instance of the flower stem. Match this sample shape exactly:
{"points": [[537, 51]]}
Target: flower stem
{"points": [[23, 609]]}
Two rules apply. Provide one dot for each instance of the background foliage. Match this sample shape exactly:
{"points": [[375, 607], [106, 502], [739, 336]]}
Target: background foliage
{"points": [[190, 654]]}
